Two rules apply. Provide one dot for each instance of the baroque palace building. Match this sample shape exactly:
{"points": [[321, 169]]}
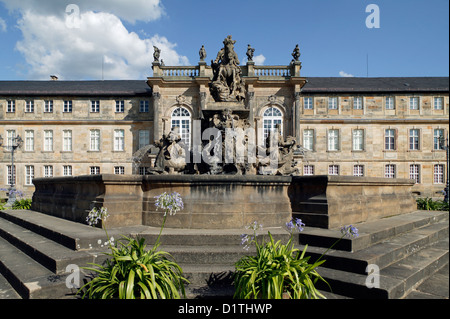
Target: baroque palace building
{"points": [[377, 127]]}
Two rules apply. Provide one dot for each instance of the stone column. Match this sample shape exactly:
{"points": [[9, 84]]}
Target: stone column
{"points": [[251, 105], [297, 117], [156, 106]]}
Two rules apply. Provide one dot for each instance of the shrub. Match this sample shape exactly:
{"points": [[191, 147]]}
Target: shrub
{"points": [[430, 204], [23, 203]]}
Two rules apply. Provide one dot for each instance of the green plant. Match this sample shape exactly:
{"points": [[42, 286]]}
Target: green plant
{"points": [[24, 203], [133, 271], [279, 271], [430, 204]]}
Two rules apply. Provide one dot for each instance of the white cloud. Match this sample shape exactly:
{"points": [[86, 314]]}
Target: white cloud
{"points": [[345, 74], [53, 44], [259, 59], [2, 25]]}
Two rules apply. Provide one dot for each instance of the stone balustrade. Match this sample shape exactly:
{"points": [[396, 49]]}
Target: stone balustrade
{"points": [[272, 71]]}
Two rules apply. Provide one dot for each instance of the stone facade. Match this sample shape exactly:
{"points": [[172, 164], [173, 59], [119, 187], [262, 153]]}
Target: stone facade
{"points": [[343, 124]]}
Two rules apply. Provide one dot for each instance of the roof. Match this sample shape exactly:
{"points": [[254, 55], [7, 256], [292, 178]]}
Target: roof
{"points": [[77, 88], [138, 87], [385, 84]]}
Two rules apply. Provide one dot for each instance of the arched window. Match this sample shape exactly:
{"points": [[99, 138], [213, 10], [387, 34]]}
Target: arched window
{"points": [[272, 117], [181, 118]]}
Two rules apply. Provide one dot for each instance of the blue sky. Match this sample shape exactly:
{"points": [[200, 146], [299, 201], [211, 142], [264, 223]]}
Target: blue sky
{"points": [[114, 38]]}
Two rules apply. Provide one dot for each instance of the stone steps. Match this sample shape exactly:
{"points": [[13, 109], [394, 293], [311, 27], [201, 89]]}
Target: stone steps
{"points": [[36, 248]]}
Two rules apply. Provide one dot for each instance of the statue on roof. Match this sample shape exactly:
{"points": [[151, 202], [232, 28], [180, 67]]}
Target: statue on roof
{"points": [[227, 84]]}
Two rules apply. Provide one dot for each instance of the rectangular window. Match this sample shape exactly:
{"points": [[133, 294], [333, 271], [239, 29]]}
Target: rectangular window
{"points": [[119, 140], [438, 174], [11, 107], [94, 170], [10, 139], [358, 103], [358, 170], [143, 170], [11, 179], [438, 103], [119, 170], [144, 138], [389, 171], [143, 106], [333, 170], [389, 140], [390, 103], [308, 140], [94, 140], [414, 172], [29, 107], [29, 141], [48, 106], [29, 175], [414, 139], [438, 135], [333, 103], [413, 103], [120, 106], [358, 140], [48, 141], [95, 106], [67, 141], [67, 107], [333, 140], [67, 170], [48, 171], [308, 103], [308, 170]]}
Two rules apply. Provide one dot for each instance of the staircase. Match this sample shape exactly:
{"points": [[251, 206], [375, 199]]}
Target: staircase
{"points": [[35, 250]]}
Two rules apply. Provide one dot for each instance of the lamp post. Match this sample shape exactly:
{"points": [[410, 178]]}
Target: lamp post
{"points": [[16, 142], [443, 143]]}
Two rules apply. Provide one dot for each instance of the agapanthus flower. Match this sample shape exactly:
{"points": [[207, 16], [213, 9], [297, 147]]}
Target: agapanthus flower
{"points": [[349, 231], [295, 225], [95, 215], [170, 203]]}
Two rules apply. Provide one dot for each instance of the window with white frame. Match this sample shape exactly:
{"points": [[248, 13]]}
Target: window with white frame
{"points": [[11, 106], [95, 106], [67, 141], [358, 140], [48, 140], [67, 170], [438, 174], [358, 170], [272, 117], [390, 103], [308, 139], [48, 106], [438, 134], [29, 174], [333, 140], [119, 140], [10, 136], [358, 103], [414, 139], [143, 106], [144, 138], [67, 107], [389, 139], [438, 103], [48, 171], [389, 171], [414, 103], [94, 140], [29, 106], [333, 103], [120, 106], [11, 175], [29, 140], [308, 103], [333, 170], [308, 170], [414, 172], [94, 170], [181, 118], [119, 170]]}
